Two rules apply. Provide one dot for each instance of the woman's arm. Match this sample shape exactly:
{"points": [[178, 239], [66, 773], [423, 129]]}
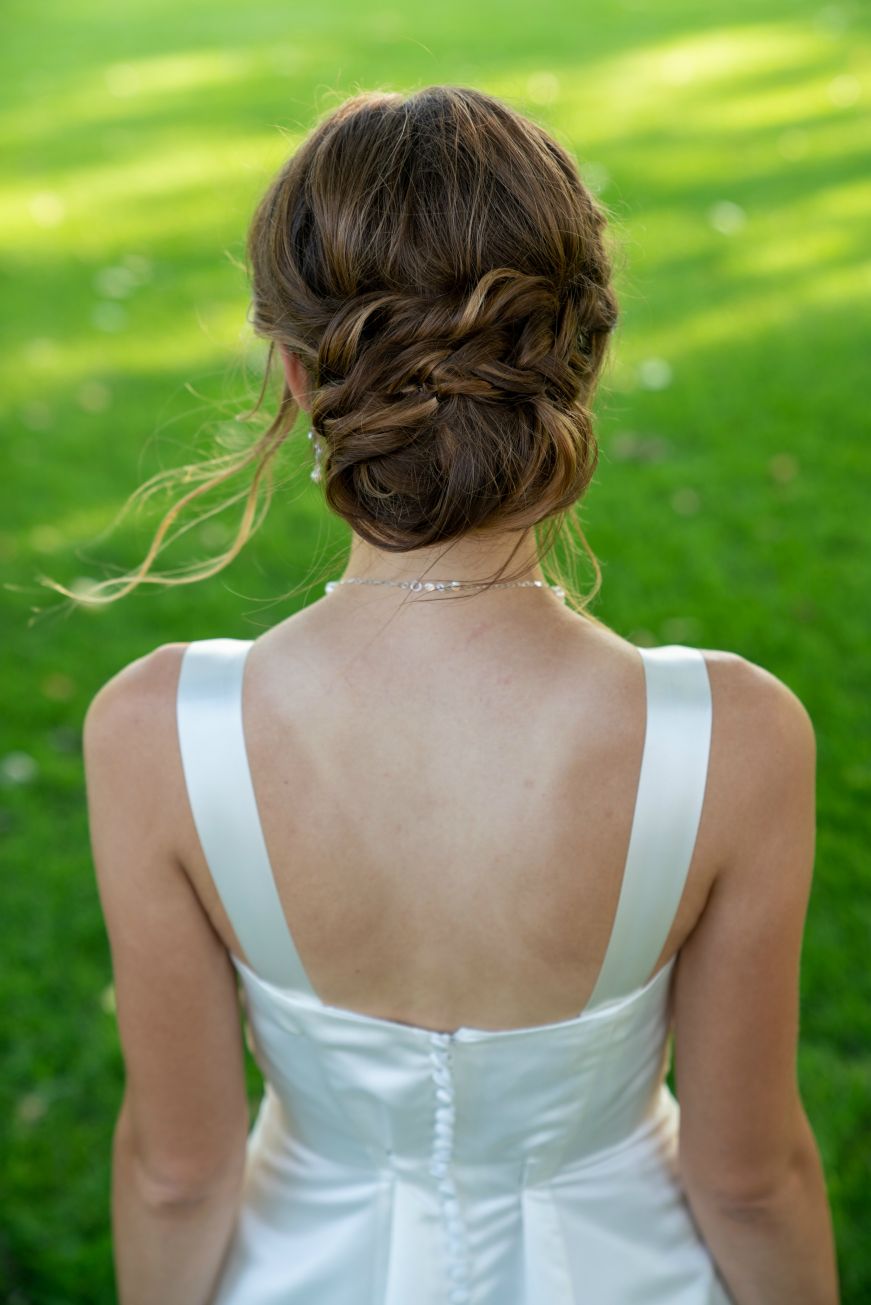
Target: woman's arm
{"points": [[179, 1144], [780, 1248], [747, 1154], [170, 1242]]}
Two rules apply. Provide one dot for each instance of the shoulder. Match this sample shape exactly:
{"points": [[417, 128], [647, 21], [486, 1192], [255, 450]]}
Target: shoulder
{"points": [[131, 760], [140, 696], [755, 713], [763, 751], [753, 703], [129, 732]]}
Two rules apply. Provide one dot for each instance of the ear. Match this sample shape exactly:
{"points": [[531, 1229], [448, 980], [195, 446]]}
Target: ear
{"points": [[297, 377]]}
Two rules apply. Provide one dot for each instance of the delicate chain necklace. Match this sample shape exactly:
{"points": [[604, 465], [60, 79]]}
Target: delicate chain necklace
{"points": [[421, 585], [417, 585]]}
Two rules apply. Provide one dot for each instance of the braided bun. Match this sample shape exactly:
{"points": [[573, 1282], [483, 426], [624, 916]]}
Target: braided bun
{"points": [[452, 310], [439, 269]]}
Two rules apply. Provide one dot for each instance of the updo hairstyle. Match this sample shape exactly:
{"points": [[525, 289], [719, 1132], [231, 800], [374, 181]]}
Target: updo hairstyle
{"points": [[440, 269]]}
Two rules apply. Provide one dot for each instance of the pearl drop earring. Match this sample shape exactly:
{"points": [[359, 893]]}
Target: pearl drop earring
{"points": [[316, 473]]}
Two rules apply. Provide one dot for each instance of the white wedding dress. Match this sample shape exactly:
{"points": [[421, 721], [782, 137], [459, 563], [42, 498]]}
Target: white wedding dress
{"points": [[390, 1165]]}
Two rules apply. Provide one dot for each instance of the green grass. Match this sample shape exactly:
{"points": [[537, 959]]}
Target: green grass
{"points": [[729, 509]]}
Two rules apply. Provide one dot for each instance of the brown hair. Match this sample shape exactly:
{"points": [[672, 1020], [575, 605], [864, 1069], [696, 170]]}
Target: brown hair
{"points": [[439, 268]]}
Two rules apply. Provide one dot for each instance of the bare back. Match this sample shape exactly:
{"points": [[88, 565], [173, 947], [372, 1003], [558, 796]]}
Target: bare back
{"points": [[447, 807]]}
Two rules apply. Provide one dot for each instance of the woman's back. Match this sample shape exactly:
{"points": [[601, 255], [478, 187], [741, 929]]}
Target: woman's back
{"points": [[448, 817]]}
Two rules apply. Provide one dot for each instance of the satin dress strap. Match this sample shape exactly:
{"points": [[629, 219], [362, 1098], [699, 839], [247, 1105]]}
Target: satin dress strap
{"points": [[668, 807], [221, 795]]}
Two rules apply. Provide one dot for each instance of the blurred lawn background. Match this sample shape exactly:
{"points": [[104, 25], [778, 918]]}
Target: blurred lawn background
{"points": [[730, 508]]}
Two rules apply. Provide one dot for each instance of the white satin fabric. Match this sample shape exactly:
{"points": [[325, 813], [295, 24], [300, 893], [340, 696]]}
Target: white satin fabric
{"points": [[390, 1165]]}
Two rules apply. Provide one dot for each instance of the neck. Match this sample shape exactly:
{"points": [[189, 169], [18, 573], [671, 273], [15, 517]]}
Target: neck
{"points": [[467, 559]]}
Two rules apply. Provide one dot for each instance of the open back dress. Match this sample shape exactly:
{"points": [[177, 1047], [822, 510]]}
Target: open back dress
{"points": [[393, 1165]]}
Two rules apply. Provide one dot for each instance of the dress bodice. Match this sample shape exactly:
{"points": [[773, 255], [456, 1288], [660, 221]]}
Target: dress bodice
{"points": [[365, 1090]]}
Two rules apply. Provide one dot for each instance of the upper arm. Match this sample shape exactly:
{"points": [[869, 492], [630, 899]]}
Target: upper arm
{"points": [[175, 991], [736, 1011]]}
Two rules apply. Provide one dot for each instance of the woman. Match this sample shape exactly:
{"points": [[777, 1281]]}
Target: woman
{"points": [[473, 857]]}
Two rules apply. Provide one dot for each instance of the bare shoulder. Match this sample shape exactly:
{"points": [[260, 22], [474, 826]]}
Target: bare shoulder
{"points": [[129, 752], [764, 743], [749, 688], [129, 737], [137, 695], [762, 733]]}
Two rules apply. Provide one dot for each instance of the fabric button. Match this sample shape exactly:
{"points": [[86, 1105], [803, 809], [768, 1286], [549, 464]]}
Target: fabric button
{"points": [[453, 1225]]}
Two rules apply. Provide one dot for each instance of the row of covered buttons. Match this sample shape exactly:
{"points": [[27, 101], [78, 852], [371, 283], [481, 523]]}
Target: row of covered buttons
{"points": [[443, 1142]]}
